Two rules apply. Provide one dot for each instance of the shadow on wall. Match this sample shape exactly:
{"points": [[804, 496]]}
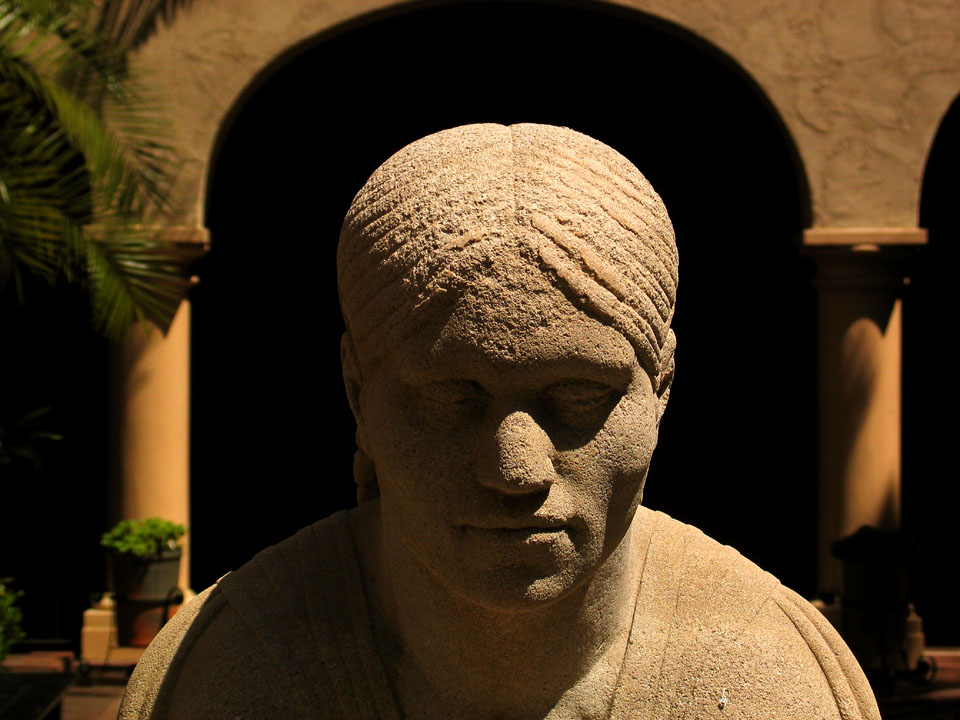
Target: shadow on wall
{"points": [[272, 436]]}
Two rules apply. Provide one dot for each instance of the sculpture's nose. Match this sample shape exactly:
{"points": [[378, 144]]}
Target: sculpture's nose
{"points": [[520, 459]]}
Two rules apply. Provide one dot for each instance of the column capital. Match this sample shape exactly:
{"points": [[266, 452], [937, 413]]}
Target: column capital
{"points": [[862, 258], [864, 239], [187, 237], [156, 261]]}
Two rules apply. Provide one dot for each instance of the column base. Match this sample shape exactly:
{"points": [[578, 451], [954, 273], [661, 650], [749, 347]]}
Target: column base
{"points": [[99, 645]]}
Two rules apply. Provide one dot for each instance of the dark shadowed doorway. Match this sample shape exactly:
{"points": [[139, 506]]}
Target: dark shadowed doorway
{"points": [[931, 389], [272, 438]]}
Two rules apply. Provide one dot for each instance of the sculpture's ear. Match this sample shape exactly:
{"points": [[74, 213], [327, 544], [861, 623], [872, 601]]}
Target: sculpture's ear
{"points": [[364, 470], [351, 374], [665, 378]]}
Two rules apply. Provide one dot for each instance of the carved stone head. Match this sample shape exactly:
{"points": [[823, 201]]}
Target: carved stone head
{"points": [[507, 293]]}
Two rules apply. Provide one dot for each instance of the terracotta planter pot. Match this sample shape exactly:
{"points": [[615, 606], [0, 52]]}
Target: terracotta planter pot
{"points": [[145, 579], [146, 594], [138, 622]]}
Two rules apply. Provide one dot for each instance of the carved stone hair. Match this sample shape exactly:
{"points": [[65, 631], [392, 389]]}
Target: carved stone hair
{"points": [[432, 218]]}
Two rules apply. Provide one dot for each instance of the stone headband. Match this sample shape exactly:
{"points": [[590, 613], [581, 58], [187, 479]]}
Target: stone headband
{"points": [[433, 216]]}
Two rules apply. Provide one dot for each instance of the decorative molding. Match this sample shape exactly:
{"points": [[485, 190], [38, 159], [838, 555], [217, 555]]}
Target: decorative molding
{"points": [[864, 238], [863, 260]]}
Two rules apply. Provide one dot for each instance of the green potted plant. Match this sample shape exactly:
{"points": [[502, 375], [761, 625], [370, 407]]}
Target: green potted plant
{"points": [[143, 569], [144, 558], [10, 617]]}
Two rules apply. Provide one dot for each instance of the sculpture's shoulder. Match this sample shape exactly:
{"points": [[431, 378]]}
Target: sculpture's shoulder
{"points": [[716, 636], [202, 659], [267, 641]]}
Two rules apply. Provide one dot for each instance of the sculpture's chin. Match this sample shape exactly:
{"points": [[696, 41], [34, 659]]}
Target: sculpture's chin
{"points": [[516, 592], [501, 577]]}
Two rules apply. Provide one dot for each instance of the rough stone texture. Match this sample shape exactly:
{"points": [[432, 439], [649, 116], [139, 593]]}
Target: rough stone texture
{"points": [[508, 293], [861, 85], [759, 650]]}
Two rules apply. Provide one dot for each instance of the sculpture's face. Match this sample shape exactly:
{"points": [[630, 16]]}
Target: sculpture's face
{"points": [[511, 434]]}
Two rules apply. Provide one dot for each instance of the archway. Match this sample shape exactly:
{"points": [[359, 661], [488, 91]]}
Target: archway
{"points": [[739, 438], [931, 390]]}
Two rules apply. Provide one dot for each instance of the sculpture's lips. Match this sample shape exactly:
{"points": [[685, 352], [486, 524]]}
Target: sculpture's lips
{"points": [[521, 533], [530, 531], [529, 524]]}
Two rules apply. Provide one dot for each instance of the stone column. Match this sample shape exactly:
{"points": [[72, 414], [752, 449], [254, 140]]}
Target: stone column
{"points": [[155, 426], [154, 437], [860, 278], [152, 440]]}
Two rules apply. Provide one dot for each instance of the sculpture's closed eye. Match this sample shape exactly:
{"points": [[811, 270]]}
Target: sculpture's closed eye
{"points": [[579, 403], [453, 400], [574, 403]]}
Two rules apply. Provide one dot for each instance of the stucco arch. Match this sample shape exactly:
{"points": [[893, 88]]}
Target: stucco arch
{"points": [[861, 86], [701, 131], [421, 9]]}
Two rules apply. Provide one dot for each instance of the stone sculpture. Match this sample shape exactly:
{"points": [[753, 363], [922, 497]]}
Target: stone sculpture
{"points": [[508, 293]]}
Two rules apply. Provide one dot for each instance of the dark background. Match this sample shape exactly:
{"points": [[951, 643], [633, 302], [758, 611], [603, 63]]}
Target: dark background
{"points": [[931, 391], [52, 516]]}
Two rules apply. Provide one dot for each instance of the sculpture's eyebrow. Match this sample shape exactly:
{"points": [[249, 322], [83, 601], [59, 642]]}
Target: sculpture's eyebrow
{"points": [[614, 371]]}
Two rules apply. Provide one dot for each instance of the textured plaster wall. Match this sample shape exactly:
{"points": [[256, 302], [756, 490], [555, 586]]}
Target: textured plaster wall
{"points": [[861, 84]]}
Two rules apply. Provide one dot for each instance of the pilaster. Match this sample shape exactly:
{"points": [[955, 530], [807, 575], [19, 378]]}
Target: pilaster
{"points": [[861, 273]]}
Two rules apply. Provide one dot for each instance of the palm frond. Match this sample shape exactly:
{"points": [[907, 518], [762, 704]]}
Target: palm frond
{"points": [[129, 23], [22, 435], [136, 276], [129, 167], [62, 164]]}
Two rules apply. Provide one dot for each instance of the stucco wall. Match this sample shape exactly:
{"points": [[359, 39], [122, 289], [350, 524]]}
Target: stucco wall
{"points": [[861, 84]]}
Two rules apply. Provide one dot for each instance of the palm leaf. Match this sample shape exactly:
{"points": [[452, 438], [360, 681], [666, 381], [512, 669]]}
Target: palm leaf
{"points": [[129, 23], [136, 275], [130, 170], [62, 164]]}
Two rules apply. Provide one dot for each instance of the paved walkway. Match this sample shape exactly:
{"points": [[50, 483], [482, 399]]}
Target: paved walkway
{"points": [[96, 697], [92, 702]]}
